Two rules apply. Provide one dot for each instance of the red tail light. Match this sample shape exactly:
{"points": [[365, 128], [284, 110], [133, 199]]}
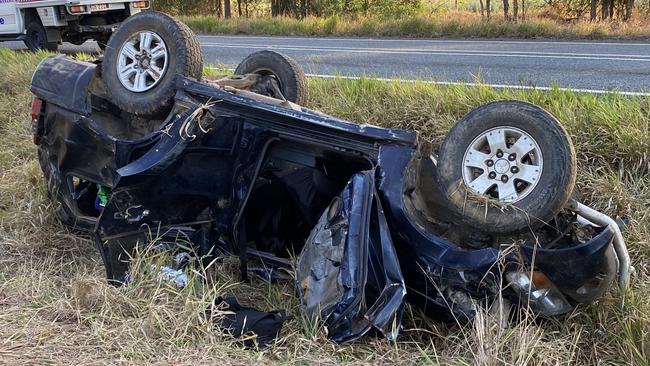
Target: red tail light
{"points": [[37, 106], [77, 9]]}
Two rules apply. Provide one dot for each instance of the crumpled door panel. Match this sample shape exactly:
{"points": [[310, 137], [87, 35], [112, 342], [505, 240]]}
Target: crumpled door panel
{"points": [[348, 273]]}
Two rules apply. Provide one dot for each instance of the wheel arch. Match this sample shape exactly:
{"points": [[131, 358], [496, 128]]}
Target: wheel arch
{"points": [[30, 15]]}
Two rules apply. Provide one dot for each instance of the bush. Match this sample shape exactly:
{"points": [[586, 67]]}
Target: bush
{"points": [[455, 24]]}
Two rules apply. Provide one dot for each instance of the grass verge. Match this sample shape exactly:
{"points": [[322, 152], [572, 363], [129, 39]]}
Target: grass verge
{"points": [[55, 306], [454, 24]]}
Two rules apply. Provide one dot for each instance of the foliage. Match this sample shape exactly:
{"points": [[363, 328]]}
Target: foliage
{"points": [[592, 9], [297, 8], [513, 10], [448, 24]]}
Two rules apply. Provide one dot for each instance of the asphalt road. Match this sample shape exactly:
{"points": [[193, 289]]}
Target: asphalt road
{"points": [[594, 66]]}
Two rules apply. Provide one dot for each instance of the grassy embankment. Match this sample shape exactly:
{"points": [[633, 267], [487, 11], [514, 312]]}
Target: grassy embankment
{"points": [[55, 306], [450, 24]]}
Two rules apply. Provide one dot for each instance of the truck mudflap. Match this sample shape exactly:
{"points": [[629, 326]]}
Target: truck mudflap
{"points": [[348, 273], [64, 82]]}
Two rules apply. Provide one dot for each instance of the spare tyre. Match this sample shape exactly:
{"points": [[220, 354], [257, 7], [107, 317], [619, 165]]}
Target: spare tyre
{"points": [[145, 57], [506, 167], [282, 69]]}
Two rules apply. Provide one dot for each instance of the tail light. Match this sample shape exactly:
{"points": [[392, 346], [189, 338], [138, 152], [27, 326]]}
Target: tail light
{"points": [[37, 107], [140, 4], [77, 9]]}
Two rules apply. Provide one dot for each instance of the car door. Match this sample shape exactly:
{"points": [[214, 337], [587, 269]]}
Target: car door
{"points": [[348, 273]]}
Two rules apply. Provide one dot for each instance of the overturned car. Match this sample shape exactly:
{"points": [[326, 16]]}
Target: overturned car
{"points": [[138, 143]]}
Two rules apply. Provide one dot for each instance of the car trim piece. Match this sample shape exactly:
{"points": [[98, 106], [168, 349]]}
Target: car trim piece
{"points": [[625, 269]]}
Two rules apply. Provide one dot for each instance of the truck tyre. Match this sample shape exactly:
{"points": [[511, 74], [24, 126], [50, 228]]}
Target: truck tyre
{"points": [[506, 167], [36, 38], [143, 60], [289, 75]]}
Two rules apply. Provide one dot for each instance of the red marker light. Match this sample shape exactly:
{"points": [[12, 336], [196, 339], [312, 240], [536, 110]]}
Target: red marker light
{"points": [[37, 106]]}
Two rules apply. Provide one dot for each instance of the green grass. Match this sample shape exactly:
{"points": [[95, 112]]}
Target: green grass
{"points": [[55, 306], [449, 24]]}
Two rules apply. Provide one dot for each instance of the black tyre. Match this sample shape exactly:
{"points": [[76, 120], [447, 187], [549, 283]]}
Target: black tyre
{"points": [[36, 38], [506, 167], [145, 57], [290, 77]]}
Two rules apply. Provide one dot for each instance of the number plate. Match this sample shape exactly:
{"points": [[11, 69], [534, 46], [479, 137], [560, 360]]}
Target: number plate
{"points": [[98, 7]]}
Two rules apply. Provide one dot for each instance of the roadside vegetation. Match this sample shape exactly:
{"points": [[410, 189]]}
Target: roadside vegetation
{"points": [[55, 306], [563, 19], [454, 24]]}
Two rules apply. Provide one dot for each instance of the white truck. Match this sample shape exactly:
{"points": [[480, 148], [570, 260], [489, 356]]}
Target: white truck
{"points": [[44, 24]]}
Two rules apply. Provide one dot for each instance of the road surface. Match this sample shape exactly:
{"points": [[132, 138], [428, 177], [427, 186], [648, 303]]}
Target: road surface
{"points": [[585, 65]]}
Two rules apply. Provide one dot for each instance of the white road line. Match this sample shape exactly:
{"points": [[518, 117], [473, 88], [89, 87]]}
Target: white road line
{"points": [[431, 53], [497, 86], [411, 40], [415, 50]]}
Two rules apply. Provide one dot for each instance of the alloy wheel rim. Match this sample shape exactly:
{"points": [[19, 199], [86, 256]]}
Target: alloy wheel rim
{"points": [[142, 62], [504, 163]]}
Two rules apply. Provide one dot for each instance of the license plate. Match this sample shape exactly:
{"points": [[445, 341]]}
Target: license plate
{"points": [[98, 7]]}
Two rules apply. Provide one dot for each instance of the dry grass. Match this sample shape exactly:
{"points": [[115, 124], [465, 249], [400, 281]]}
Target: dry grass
{"points": [[55, 307], [447, 24]]}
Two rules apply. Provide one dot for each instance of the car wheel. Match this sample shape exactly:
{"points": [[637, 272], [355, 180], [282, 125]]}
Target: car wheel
{"points": [[506, 167], [289, 76], [36, 38], [143, 60]]}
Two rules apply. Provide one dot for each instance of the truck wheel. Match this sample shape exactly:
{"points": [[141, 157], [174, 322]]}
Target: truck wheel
{"points": [[145, 57], [36, 38], [290, 77], [506, 167]]}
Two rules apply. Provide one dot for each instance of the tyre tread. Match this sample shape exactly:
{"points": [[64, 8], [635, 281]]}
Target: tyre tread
{"points": [[189, 63], [300, 91], [543, 203]]}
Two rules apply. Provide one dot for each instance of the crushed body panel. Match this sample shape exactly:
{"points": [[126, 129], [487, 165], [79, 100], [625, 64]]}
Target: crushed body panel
{"points": [[348, 273]]}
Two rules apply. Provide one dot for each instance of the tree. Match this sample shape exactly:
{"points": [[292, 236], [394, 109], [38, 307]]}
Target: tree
{"points": [[513, 10], [629, 4], [304, 4], [226, 9], [282, 7], [592, 12]]}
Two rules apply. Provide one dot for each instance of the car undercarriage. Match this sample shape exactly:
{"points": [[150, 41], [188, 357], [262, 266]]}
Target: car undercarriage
{"points": [[365, 217]]}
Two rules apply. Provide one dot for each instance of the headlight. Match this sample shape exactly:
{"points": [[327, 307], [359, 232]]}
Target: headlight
{"points": [[541, 295]]}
